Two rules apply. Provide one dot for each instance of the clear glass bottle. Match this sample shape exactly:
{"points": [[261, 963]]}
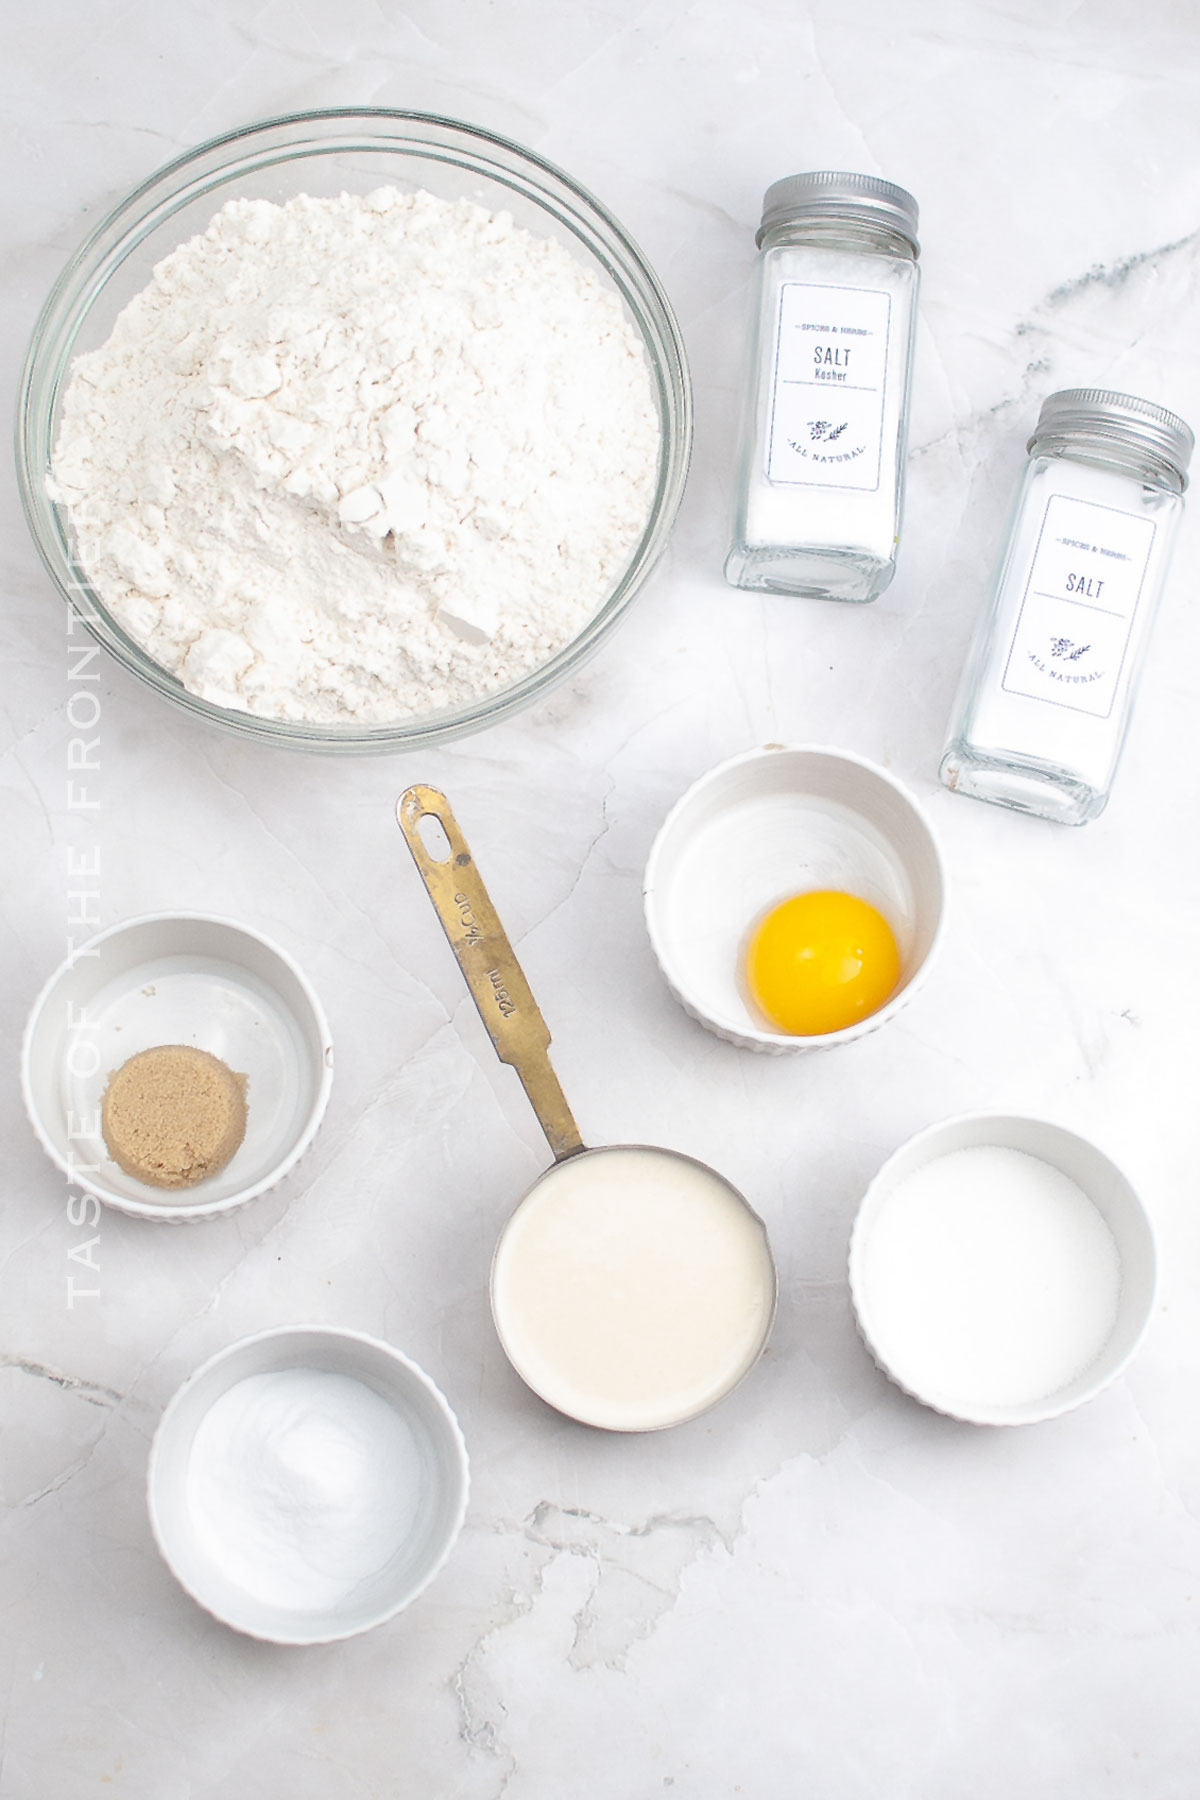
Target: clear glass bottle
{"points": [[820, 481], [1049, 683]]}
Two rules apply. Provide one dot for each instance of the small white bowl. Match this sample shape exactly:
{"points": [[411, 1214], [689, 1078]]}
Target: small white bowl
{"points": [[963, 1310], [764, 826], [177, 978], [433, 1510]]}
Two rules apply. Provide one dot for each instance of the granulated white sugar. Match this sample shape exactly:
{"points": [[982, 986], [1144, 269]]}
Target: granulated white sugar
{"points": [[989, 1279], [359, 459]]}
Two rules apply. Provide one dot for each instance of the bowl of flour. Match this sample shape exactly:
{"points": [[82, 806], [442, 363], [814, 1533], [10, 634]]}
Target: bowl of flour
{"points": [[354, 430]]}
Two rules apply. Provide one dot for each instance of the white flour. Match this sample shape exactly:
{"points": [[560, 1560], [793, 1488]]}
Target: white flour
{"points": [[359, 459]]}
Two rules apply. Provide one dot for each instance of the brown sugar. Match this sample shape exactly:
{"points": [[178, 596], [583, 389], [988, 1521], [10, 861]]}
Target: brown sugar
{"points": [[173, 1115]]}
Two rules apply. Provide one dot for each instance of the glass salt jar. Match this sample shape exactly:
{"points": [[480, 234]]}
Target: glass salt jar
{"points": [[820, 482], [1049, 683]]}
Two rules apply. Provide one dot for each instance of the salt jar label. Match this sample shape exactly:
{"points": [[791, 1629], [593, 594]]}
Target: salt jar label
{"points": [[831, 355], [1081, 597]]}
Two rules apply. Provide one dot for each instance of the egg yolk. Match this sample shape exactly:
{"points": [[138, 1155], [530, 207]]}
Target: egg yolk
{"points": [[819, 962]]}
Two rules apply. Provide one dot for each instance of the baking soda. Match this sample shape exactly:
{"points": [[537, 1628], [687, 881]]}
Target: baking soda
{"points": [[301, 1485]]}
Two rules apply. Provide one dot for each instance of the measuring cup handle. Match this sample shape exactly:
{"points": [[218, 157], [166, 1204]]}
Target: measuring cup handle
{"points": [[492, 973]]}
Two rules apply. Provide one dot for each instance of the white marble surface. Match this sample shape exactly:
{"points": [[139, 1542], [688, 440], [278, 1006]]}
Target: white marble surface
{"points": [[819, 1589]]}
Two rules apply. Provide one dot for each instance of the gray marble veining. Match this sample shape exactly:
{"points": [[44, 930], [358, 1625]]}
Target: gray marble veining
{"points": [[818, 1588]]}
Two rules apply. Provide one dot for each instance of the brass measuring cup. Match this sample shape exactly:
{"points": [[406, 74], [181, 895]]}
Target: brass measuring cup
{"points": [[633, 1287]]}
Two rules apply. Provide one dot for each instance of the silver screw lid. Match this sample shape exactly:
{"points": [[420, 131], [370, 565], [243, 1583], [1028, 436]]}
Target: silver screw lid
{"points": [[1121, 418], [827, 194]]}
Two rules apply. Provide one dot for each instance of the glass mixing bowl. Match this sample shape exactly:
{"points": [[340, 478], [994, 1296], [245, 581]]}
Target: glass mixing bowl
{"points": [[327, 153]]}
